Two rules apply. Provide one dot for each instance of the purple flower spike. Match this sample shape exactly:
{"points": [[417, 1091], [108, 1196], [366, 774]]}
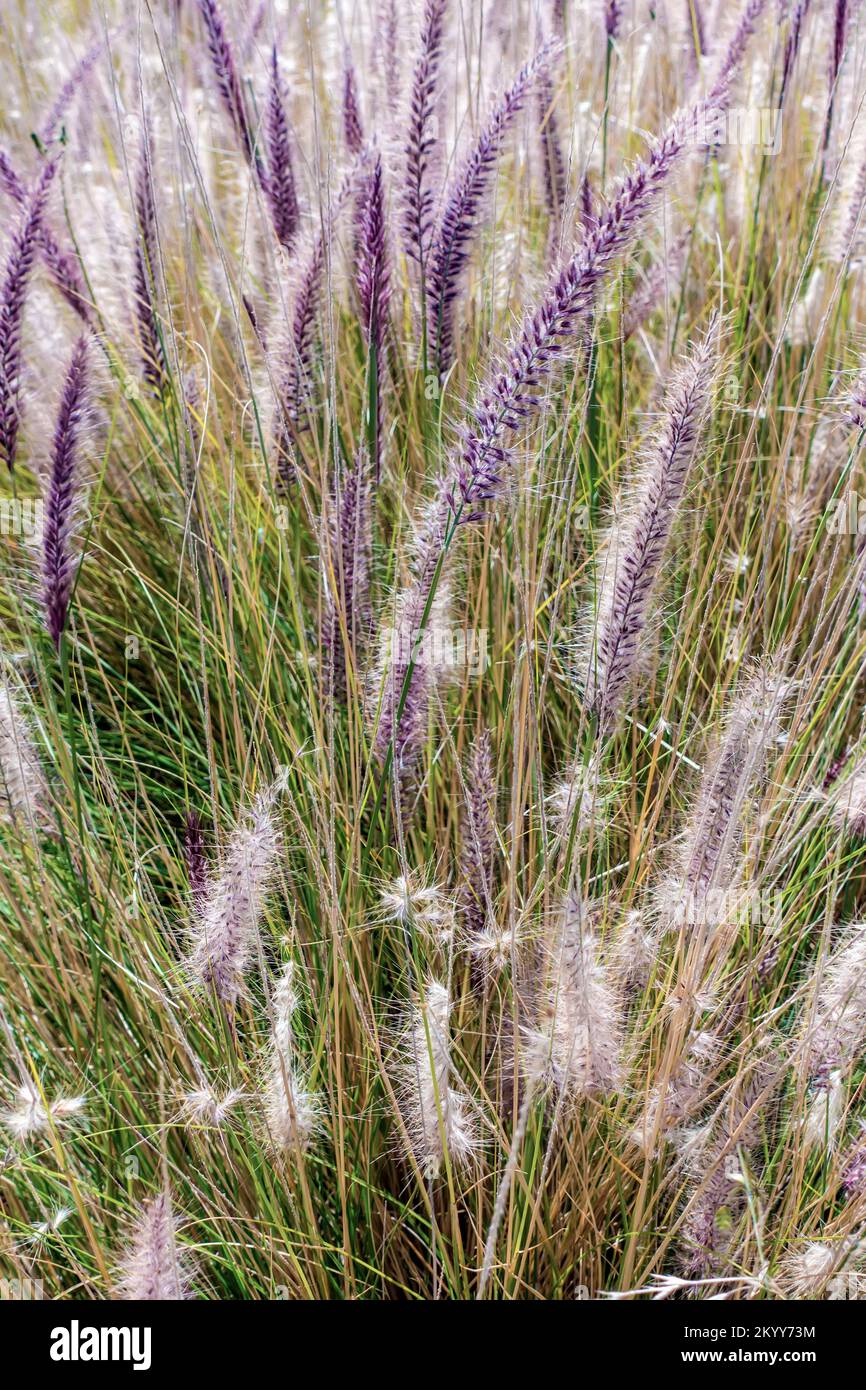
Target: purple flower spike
{"points": [[587, 213], [298, 361], [792, 42], [196, 859], [290, 414], [840, 35], [347, 594], [79, 75], [613, 18], [374, 291], [854, 1168], [736, 50], [229, 84], [353, 130], [63, 266], [553, 163], [512, 395], [281, 192], [422, 140], [58, 564], [12, 296], [509, 399], [463, 204], [154, 364]]}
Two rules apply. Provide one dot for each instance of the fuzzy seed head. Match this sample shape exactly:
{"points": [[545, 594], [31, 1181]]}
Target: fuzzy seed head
{"points": [[437, 1117], [225, 930], [573, 1047], [32, 1114], [154, 1269], [24, 795]]}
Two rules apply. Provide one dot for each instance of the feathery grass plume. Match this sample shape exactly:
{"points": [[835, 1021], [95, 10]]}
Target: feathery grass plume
{"points": [[153, 1268], [291, 1109], [373, 283], [281, 193], [59, 565], [854, 408], [792, 43], [24, 795], [463, 202], [580, 798], [206, 1107], [552, 161], [422, 139], [662, 281], [806, 1271], [229, 84], [854, 1166], [145, 270], [250, 37], [63, 266], [478, 840], [850, 238], [346, 565], [636, 544], [410, 667], [510, 396], [196, 859], [13, 293], [573, 1046], [736, 50], [33, 1114], [418, 905], [706, 870], [671, 1105], [438, 1118], [713, 1154], [389, 52], [297, 357], [493, 951], [509, 399], [633, 952], [817, 1269], [846, 796], [826, 456], [834, 1033], [42, 1231], [225, 929], [70, 88], [353, 129]]}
